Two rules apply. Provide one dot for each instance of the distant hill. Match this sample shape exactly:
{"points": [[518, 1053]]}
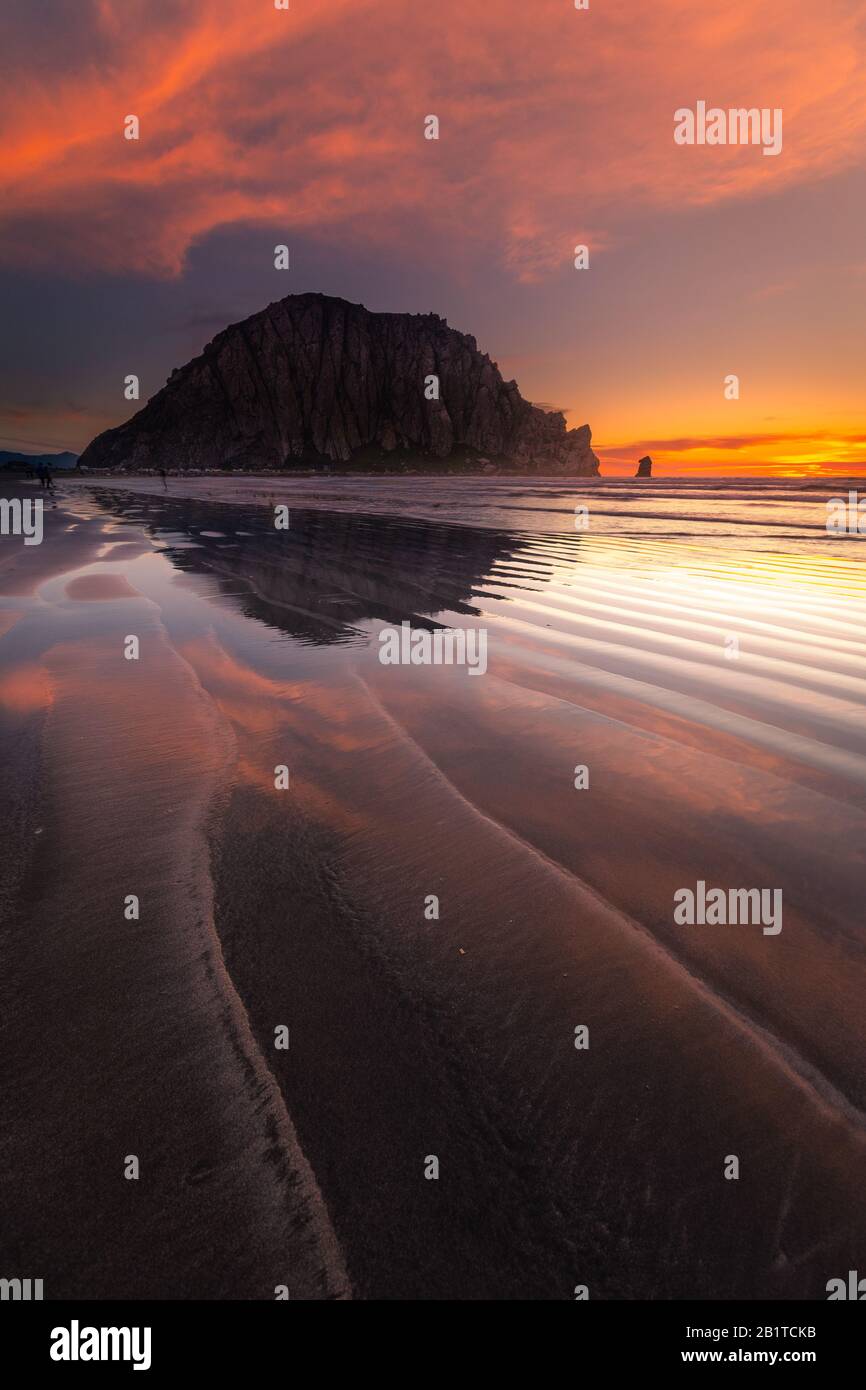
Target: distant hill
{"points": [[62, 460]]}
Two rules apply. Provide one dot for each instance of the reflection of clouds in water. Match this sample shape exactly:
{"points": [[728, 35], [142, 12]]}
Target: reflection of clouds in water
{"points": [[91, 588], [25, 688]]}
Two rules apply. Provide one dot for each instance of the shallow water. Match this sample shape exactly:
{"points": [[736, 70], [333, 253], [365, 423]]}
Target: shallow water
{"points": [[698, 649], [745, 513]]}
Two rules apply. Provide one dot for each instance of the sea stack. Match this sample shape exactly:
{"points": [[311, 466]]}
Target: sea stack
{"points": [[313, 381], [644, 467]]}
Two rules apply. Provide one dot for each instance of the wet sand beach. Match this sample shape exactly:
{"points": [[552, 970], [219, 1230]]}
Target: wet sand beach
{"points": [[451, 1036], [126, 1038]]}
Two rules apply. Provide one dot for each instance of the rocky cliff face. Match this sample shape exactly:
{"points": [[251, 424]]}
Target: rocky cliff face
{"points": [[312, 379]]}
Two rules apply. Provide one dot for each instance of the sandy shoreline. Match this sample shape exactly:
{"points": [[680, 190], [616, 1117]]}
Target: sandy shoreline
{"points": [[126, 1038], [412, 1038]]}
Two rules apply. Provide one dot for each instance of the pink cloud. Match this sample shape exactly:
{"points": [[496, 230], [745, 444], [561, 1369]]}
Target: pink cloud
{"points": [[556, 124]]}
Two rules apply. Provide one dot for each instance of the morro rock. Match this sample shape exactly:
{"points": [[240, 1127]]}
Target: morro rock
{"points": [[644, 467], [314, 381]]}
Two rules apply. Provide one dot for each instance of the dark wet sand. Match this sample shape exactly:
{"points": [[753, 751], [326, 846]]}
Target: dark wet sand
{"points": [[409, 1037], [127, 1038]]}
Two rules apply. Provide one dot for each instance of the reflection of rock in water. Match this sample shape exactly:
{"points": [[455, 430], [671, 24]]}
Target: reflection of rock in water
{"points": [[330, 570]]}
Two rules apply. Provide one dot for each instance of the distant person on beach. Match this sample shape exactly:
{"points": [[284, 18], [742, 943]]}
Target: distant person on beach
{"points": [[161, 472]]}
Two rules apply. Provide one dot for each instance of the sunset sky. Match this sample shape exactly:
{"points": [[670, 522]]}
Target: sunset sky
{"points": [[262, 126]]}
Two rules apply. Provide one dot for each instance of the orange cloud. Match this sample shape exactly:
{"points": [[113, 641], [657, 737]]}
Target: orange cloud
{"points": [[554, 122]]}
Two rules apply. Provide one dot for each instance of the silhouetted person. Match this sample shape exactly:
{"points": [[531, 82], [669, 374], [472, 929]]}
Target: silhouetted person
{"points": [[49, 479], [164, 478]]}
